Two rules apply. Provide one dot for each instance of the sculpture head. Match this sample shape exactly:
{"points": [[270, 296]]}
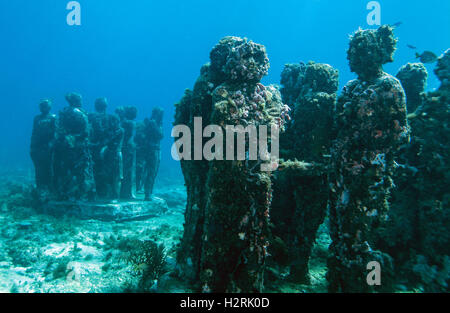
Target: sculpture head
{"points": [[120, 111], [101, 104], [321, 77], [369, 50], [442, 69], [45, 106], [74, 99], [130, 112], [413, 77], [157, 115], [236, 59]]}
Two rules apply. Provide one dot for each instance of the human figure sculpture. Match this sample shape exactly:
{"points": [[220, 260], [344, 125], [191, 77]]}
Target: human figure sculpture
{"points": [[419, 214], [226, 235], [74, 179], [300, 199], [112, 155], [106, 145], [413, 77], [371, 125], [42, 145], [149, 151], [127, 116], [99, 139]]}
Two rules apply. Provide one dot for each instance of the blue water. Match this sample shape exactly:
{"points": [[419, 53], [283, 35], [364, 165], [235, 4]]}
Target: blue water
{"points": [[145, 53]]}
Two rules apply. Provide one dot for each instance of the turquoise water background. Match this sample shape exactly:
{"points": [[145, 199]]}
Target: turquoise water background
{"points": [[145, 53]]}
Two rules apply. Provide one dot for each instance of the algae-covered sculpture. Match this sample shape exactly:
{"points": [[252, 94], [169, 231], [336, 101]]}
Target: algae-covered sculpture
{"points": [[98, 140], [417, 232], [371, 125], [226, 235], [301, 194], [79, 164], [149, 134], [73, 168], [128, 188], [106, 141], [442, 71], [42, 146], [413, 77]]}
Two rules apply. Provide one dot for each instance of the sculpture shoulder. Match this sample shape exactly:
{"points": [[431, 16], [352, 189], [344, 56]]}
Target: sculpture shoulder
{"points": [[388, 82], [92, 116], [49, 119], [350, 87], [73, 112]]}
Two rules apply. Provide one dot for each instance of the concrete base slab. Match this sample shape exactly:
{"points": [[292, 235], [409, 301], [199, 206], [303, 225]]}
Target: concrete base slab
{"points": [[120, 211]]}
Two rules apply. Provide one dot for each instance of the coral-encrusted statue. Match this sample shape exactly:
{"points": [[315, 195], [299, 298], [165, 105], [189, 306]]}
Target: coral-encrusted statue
{"points": [[225, 242], [149, 134], [127, 116], [113, 158], [420, 214], [371, 125], [106, 145], [73, 170], [42, 146], [98, 139], [413, 77], [149, 151], [301, 194]]}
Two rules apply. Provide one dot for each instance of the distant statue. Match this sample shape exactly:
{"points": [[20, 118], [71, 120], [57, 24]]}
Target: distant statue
{"points": [[148, 137], [98, 141], [413, 77], [105, 142], [112, 156], [72, 162], [127, 116], [42, 144], [139, 141]]}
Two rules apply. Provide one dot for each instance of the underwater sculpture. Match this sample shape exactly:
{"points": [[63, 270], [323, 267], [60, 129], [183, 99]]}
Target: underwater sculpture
{"points": [[87, 157], [106, 143], [417, 232], [413, 77], [301, 193], [149, 134], [127, 116], [225, 240], [42, 146], [98, 138], [371, 125], [73, 168]]}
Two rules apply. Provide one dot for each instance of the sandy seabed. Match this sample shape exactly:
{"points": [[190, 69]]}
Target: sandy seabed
{"points": [[45, 254]]}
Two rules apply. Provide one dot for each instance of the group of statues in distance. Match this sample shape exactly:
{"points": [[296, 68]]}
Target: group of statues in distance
{"points": [[97, 156]]}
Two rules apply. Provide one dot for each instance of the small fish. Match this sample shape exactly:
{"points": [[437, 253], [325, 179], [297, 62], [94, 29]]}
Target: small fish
{"points": [[427, 57], [397, 24], [411, 47]]}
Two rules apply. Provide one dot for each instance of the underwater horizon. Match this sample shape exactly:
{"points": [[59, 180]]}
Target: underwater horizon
{"points": [[352, 185]]}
